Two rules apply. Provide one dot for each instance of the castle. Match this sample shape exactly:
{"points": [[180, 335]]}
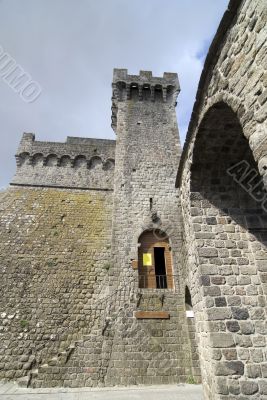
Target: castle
{"points": [[116, 269]]}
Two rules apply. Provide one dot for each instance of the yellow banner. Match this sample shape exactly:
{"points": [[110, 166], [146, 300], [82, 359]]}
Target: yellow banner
{"points": [[147, 259]]}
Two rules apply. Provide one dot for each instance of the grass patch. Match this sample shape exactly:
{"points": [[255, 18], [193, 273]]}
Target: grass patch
{"points": [[51, 263], [191, 380], [24, 324]]}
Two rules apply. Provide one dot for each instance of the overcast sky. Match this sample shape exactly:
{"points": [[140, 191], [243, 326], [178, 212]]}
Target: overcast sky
{"points": [[70, 48]]}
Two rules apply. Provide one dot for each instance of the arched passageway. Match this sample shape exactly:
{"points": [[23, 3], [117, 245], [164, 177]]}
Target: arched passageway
{"points": [[229, 221]]}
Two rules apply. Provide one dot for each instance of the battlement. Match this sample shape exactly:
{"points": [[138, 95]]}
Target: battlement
{"points": [[143, 87], [77, 163], [72, 147]]}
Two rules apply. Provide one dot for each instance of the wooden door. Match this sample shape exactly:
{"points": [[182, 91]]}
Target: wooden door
{"points": [[149, 257]]}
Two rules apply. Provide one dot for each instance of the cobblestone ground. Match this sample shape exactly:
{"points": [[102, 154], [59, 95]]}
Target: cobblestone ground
{"points": [[10, 391]]}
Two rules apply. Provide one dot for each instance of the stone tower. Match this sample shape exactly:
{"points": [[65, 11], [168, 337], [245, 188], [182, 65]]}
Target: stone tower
{"points": [[147, 151], [152, 344]]}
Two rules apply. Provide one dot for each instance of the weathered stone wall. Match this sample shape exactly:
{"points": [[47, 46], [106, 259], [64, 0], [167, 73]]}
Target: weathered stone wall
{"points": [[80, 163], [224, 206], [54, 258]]}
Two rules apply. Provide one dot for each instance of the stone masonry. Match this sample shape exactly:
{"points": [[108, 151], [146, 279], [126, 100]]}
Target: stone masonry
{"points": [[223, 205], [74, 312], [79, 163], [116, 270]]}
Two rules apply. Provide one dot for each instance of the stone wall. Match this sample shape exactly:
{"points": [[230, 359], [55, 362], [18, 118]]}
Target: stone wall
{"points": [[80, 163], [223, 206], [72, 312], [54, 258]]}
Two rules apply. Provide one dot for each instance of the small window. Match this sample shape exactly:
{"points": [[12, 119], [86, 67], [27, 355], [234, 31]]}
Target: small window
{"points": [[155, 261]]}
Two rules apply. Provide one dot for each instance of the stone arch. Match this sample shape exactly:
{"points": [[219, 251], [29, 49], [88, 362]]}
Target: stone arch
{"points": [[95, 162], [220, 142], [80, 161], [146, 91], [252, 129], [109, 164], [134, 91], [233, 102], [121, 90], [23, 158], [38, 159], [158, 93], [229, 227], [51, 160], [150, 226], [65, 161]]}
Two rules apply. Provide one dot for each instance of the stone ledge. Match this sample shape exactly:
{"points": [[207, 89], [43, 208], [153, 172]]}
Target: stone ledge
{"points": [[32, 185]]}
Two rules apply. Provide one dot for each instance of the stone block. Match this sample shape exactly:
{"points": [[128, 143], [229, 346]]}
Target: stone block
{"points": [[249, 387], [234, 387], [207, 252], [219, 313], [234, 300], [264, 369], [221, 386], [253, 371], [225, 368], [211, 291], [240, 313], [221, 340], [218, 280], [204, 280], [263, 386], [247, 328], [220, 302]]}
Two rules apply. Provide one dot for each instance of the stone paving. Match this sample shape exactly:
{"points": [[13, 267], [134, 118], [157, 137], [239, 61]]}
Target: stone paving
{"points": [[10, 391]]}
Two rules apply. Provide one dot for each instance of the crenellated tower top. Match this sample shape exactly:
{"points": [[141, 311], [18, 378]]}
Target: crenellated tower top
{"points": [[142, 87]]}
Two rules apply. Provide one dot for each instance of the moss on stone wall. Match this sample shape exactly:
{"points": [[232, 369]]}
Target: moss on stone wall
{"points": [[54, 244]]}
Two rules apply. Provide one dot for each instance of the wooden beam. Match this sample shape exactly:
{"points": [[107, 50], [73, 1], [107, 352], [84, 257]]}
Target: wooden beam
{"points": [[134, 264], [152, 315]]}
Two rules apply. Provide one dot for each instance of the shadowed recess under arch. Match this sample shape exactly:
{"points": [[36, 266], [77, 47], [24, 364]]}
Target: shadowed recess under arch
{"points": [[224, 171]]}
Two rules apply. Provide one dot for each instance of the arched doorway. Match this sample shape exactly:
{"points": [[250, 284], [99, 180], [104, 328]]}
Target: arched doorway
{"points": [[229, 226], [155, 267]]}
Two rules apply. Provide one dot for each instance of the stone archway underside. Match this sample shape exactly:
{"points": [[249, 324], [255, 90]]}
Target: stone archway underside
{"points": [[229, 228]]}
